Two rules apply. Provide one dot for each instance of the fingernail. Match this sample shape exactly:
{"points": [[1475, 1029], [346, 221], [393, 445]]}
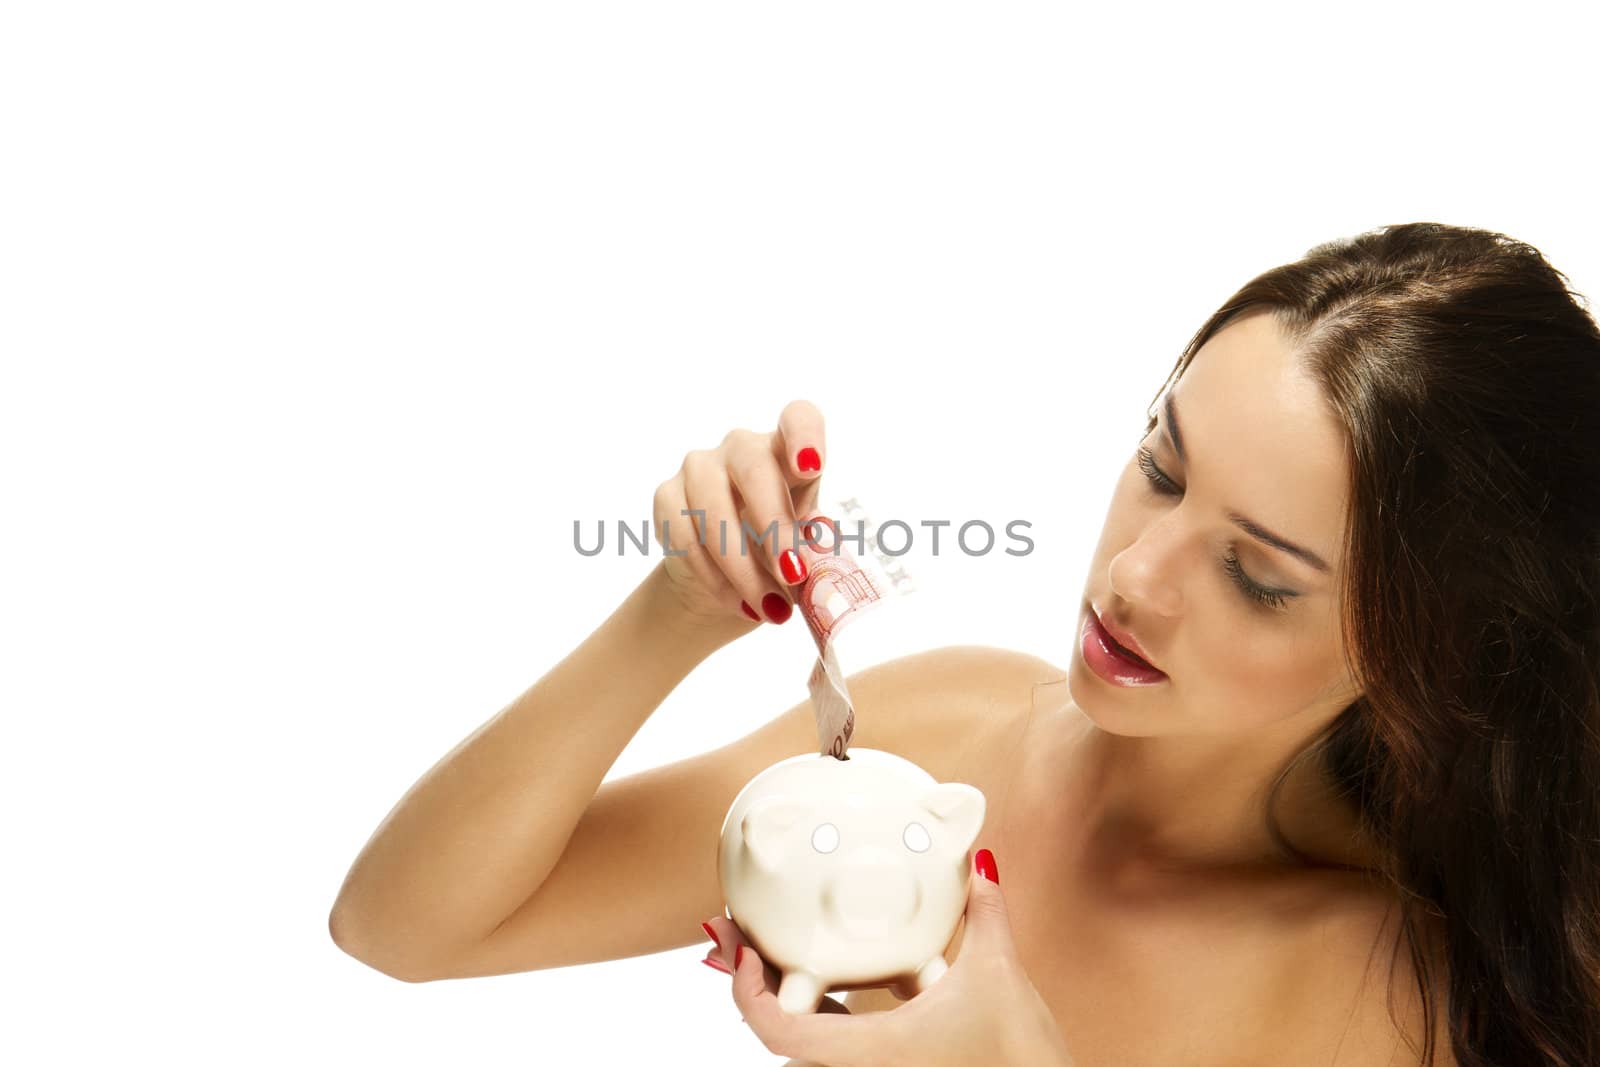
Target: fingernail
{"points": [[809, 460], [984, 861], [738, 956], [821, 533], [712, 934], [718, 964], [792, 566], [748, 610], [776, 607]]}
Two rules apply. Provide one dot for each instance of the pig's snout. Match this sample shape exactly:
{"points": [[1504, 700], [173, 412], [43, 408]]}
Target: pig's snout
{"points": [[872, 893]]}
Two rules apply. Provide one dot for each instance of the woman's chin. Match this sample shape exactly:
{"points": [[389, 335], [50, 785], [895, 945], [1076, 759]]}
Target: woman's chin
{"points": [[1131, 711]]}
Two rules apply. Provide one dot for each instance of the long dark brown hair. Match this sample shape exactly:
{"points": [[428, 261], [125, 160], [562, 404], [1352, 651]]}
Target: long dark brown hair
{"points": [[1466, 373]]}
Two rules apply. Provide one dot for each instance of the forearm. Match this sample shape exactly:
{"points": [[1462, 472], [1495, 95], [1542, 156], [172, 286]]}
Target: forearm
{"points": [[484, 827]]}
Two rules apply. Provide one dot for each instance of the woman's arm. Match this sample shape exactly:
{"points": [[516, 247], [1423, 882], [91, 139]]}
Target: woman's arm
{"points": [[482, 829]]}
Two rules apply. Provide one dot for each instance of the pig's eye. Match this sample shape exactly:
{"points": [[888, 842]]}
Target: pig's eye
{"points": [[825, 838], [916, 837]]}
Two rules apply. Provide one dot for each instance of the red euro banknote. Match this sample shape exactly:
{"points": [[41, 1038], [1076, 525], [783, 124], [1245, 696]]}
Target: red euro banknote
{"points": [[838, 589]]}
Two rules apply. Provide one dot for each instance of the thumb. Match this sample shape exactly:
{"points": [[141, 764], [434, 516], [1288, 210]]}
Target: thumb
{"points": [[987, 919]]}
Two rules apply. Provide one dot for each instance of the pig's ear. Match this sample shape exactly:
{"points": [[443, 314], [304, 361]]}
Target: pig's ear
{"points": [[959, 809], [765, 828]]}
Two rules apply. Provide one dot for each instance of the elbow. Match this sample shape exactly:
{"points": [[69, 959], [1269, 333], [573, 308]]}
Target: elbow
{"points": [[346, 933]]}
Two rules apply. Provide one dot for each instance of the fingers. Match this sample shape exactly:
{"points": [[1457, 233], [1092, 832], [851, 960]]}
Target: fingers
{"points": [[828, 1005], [847, 1040], [728, 518], [726, 933], [800, 444], [771, 510], [727, 937], [986, 920], [677, 530], [707, 486]]}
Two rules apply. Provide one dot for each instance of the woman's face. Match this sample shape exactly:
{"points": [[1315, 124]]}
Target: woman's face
{"points": [[1247, 634]]}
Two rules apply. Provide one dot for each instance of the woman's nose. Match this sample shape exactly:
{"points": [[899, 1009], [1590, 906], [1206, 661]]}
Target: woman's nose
{"points": [[1148, 574]]}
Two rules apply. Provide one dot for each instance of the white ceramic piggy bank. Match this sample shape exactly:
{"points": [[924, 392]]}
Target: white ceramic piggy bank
{"points": [[849, 873]]}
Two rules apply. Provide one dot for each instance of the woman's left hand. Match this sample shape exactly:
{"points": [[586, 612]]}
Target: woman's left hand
{"points": [[982, 1010]]}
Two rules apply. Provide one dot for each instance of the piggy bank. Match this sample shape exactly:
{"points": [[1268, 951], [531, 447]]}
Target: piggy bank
{"points": [[849, 873]]}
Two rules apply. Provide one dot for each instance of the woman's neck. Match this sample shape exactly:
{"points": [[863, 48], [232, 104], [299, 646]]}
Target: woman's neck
{"points": [[1199, 802]]}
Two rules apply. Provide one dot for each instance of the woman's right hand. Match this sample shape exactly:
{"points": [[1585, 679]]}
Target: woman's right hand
{"points": [[754, 478]]}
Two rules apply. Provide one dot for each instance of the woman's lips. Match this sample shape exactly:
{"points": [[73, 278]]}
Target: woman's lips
{"points": [[1106, 657], [1126, 642], [1126, 651]]}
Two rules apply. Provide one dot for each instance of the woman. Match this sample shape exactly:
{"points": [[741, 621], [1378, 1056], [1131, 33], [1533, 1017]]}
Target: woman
{"points": [[1320, 784]]}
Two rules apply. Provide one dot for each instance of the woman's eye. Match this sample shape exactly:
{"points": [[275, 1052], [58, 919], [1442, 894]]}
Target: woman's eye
{"points": [[1163, 484], [1261, 594], [1230, 563]]}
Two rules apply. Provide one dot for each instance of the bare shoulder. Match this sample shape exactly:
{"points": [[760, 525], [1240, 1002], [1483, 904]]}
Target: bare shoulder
{"points": [[943, 707], [1350, 983], [986, 668]]}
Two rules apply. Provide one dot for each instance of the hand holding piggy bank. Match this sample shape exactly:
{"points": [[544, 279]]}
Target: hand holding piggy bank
{"points": [[849, 873]]}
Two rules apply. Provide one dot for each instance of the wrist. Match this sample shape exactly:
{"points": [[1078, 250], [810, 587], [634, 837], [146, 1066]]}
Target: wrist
{"points": [[686, 635]]}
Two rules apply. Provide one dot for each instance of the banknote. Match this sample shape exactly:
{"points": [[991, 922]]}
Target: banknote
{"points": [[838, 589]]}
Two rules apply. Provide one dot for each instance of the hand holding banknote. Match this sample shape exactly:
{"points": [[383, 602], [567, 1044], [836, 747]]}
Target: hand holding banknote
{"points": [[762, 481]]}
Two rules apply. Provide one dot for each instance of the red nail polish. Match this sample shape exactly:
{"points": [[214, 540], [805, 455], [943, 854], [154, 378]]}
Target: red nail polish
{"points": [[738, 956], [984, 861], [809, 460], [712, 934], [776, 607], [748, 610], [792, 566], [718, 964]]}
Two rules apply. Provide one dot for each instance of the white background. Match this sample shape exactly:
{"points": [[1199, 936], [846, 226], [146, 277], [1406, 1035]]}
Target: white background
{"points": [[322, 322]]}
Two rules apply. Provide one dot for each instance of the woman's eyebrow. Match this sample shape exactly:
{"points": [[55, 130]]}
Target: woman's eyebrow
{"points": [[1254, 529]]}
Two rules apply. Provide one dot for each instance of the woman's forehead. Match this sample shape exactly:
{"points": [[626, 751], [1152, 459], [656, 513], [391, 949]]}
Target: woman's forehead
{"points": [[1259, 436]]}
